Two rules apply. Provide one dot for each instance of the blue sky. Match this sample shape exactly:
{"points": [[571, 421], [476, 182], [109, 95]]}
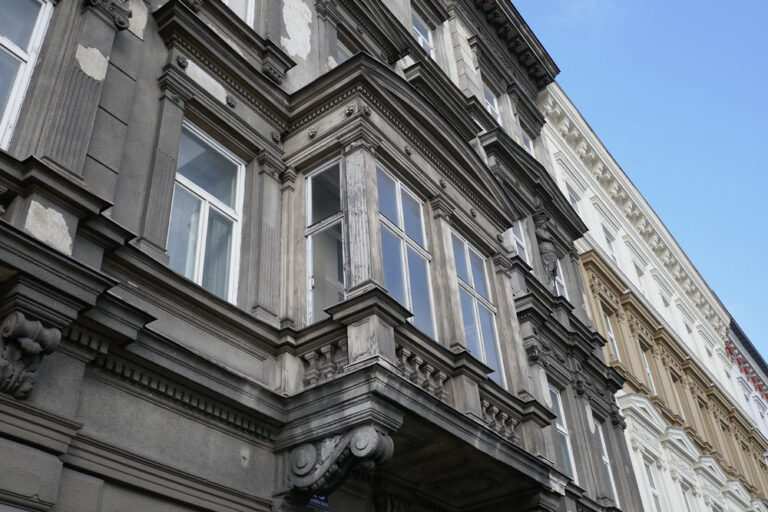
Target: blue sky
{"points": [[676, 91]]}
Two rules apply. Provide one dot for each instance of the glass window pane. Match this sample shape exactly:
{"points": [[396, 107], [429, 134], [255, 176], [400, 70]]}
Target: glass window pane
{"points": [[555, 397], [387, 197], [327, 270], [461, 260], [9, 67], [182, 232], [393, 265], [478, 274], [563, 439], [207, 168], [521, 251], [412, 219], [18, 20], [490, 346], [326, 194], [470, 324], [218, 249], [420, 27], [422, 307]]}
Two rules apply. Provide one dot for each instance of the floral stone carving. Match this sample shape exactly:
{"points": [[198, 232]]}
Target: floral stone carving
{"points": [[23, 343], [320, 467]]}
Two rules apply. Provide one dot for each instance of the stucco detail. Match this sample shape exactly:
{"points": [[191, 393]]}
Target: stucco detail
{"points": [[138, 19], [297, 18], [92, 62], [48, 226], [206, 81]]}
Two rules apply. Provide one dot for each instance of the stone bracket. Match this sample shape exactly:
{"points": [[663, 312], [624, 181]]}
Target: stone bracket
{"points": [[23, 343]]}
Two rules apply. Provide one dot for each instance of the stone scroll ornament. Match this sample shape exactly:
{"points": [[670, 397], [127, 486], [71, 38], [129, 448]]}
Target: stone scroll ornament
{"points": [[546, 247], [320, 467], [23, 343]]}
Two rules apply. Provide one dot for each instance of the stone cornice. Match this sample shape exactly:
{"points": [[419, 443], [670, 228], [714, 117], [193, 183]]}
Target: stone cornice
{"points": [[569, 125]]}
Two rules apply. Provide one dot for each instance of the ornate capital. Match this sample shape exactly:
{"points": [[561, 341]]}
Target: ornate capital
{"points": [[319, 467], [22, 346], [113, 10]]}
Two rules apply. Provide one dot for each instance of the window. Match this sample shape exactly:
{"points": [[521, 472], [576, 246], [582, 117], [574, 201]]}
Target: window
{"points": [[676, 386], [519, 238], [403, 247], [573, 198], [605, 459], [652, 486], [560, 281], [245, 9], [22, 28], [686, 496], [423, 35], [477, 310], [204, 230], [492, 103], [647, 368], [609, 239], [639, 273], [325, 249], [527, 143], [563, 439], [611, 336]]}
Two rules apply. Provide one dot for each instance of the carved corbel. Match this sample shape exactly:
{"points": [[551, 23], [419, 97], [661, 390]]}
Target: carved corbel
{"points": [[113, 10], [319, 467], [23, 343]]}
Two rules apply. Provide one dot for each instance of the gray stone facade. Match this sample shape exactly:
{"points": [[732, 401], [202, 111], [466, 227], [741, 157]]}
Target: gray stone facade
{"points": [[240, 378]]}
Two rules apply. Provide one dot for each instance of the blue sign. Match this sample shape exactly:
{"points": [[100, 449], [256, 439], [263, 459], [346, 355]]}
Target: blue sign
{"points": [[319, 502]]}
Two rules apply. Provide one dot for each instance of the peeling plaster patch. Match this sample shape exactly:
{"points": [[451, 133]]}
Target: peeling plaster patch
{"points": [[297, 16], [92, 62], [138, 19], [206, 81], [48, 226]]}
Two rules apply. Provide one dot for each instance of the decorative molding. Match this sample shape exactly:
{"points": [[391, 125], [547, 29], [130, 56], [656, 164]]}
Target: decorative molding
{"points": [[23, 343], [320, 467], [114, 10], [324, 363]]}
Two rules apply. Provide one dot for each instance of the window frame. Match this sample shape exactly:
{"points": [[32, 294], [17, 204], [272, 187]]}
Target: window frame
{"points": [[560, 287], [655, 496], [407, 242], [611, 334], [419, 37], [573, 198], [647, 367], [207, 200], [27, 59], [477, 300], [520, 241], [314, 228], [492, 109], [610, 238], [677, 381], [527, 142], [562, 430], [606, 459], [250, 15]]}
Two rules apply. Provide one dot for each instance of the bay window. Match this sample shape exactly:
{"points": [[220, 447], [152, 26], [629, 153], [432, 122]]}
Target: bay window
{"points": [[404, 250], [477, 310], [561, 429], [206, 212], [325, 247], [22, 29]]}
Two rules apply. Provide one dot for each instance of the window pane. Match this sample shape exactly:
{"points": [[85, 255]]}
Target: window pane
{"points": [[207, 168], [218, 249], [387, 198], [478, 274], [470, 324], [420, 27], [422, 307], [182, 232], [393, 265], [18, 20], [489, 342], [239, 7], [327, 270], [555, 397], [521, 251], [461, 260], [326, 194], [412, 219], [563, 439], [9, 67]]}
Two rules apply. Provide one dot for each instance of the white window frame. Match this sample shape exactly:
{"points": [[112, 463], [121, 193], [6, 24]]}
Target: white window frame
{"points": [[407, 242], [520, 241], [478, 298], [423, 39], [560, 287], [609, 244], [639, 273], [685, 488], [208, 201], [611, 335], [606, 459], [312, 229], [647, 367], [655, 497], [527, 142], [27, 59], [250, 15], [562, 429], [492, 104], [573, 198]]}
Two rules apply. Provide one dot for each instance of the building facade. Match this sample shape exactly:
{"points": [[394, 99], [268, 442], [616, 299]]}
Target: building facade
{"points": [[693, 400], [262, 255]]}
